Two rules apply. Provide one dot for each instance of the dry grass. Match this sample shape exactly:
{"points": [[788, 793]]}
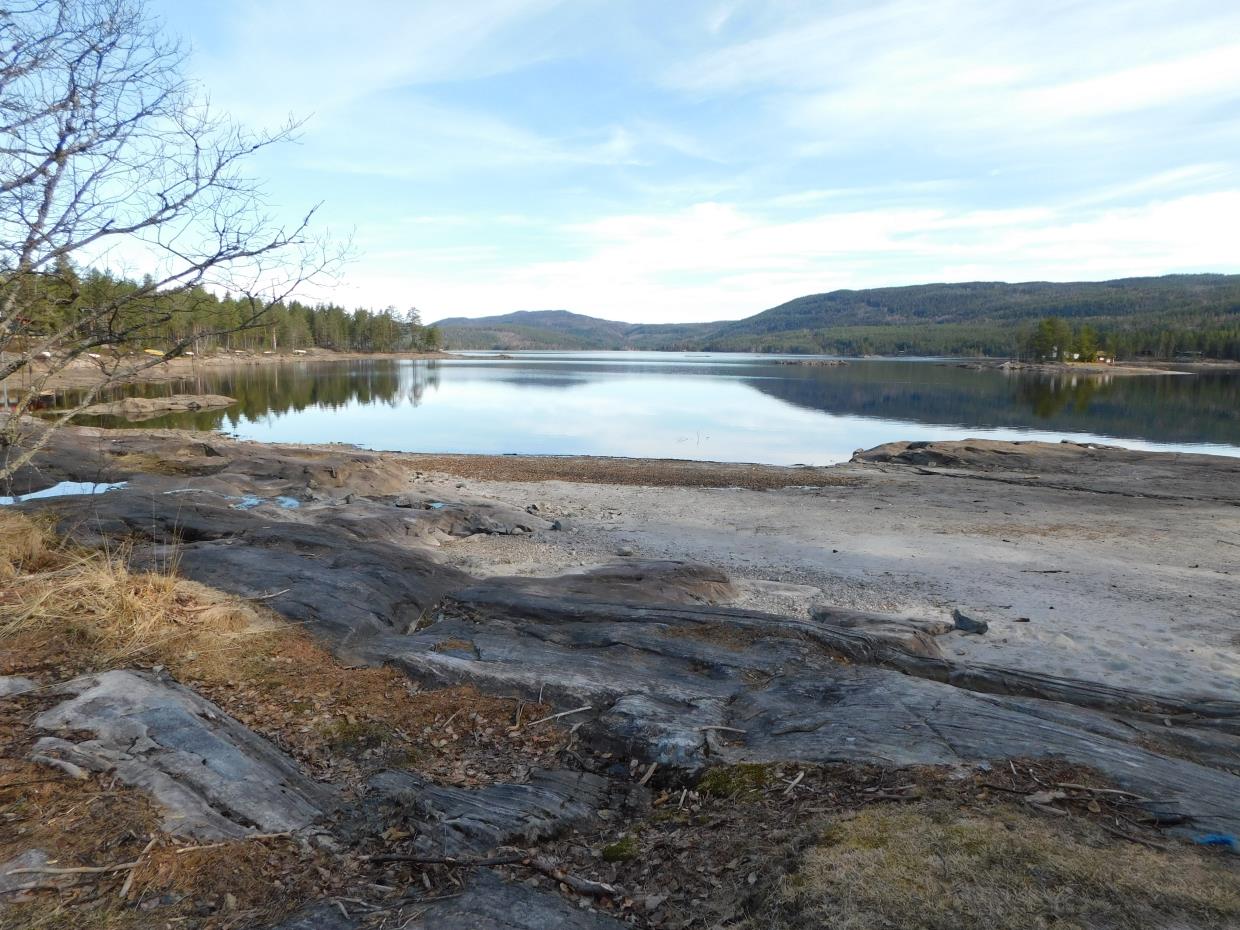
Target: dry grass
{"points": [[933, 866], [57, 593], [25, 546]]}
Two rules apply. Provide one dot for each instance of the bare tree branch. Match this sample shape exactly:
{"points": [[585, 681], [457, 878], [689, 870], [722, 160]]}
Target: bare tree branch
{"points": [[108, 149]]}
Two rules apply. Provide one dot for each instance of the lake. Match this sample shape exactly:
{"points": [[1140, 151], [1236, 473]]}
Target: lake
{"points": [[723, 407]]}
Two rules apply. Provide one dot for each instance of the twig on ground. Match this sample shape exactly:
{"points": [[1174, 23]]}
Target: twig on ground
{"points": [[575, 882], [1115, 831], [792, 785], [26, 784], [563, 713], [240, 839], [124, 892], [542, 864], [722, 728], [73, 870], [1116, 791], [649, 772], [267, 597]]}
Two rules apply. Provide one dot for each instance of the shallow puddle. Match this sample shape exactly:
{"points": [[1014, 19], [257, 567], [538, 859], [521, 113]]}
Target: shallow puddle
{"points": [[63, 489]]}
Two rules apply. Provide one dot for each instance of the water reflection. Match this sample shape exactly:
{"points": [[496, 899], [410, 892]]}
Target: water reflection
{"points": [[264, 391], [728, 407]]}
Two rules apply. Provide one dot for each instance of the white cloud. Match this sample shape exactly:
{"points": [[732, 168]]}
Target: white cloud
{"points": [[716, 261], [315, 56], [720, 156], [995, 74]]}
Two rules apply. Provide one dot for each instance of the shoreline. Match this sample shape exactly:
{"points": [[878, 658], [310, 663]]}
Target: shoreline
{"points": [[1087, 369], [83, 374]]}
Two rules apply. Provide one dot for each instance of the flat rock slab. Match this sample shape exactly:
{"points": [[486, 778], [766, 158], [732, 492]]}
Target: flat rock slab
{"points": [[214, 778], [147, 408], [637, 581], [486, 902], [1070, 466], [461, 821], [348, 570], [490, 903], [11, 883], [15, 684]]}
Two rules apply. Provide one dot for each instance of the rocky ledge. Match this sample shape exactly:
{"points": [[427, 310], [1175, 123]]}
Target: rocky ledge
{"points": [[136, 409]]}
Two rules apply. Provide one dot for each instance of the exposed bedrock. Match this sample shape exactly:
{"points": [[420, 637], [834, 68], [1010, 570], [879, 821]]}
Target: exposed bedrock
{"points": [[688, 686], [461, 822], [486, 902], [147, 408], [1070, 466], [213, 778], [665, 670]]}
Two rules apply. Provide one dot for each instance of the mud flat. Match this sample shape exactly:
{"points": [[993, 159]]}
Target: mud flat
{"points": [[931, 607]]}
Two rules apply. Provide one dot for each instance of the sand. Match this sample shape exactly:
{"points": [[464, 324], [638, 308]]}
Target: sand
{"points": [[1133, 591]]}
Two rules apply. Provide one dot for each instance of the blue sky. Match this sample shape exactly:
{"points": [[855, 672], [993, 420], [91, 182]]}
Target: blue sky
{"points": [[707, 159]]}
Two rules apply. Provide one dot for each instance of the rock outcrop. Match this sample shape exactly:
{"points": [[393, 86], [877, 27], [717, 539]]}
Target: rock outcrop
{"points": [[213, 778], [147, 408]]}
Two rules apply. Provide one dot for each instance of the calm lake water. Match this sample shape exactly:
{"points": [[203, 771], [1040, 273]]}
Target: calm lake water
{"points": [[740, 408]]}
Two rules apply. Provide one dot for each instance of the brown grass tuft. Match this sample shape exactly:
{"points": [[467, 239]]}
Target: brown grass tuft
{"points": [[25, 545], [117, 616]]}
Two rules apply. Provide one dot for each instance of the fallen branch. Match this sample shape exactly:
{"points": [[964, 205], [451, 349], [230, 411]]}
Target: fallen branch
{"points": [[563, 713], [267, 597], [1076, 787], [575, 882], [124, 892], [240, 839], [26, 784], [1115, 831], [511, 859], [724, 729], [74, 870], [542, 864]]}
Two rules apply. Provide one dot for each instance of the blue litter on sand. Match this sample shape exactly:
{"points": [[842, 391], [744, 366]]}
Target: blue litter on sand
{"points": [[1219, 839], [288, 503]]}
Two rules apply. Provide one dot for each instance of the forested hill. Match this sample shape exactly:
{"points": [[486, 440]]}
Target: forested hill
{"points": [[535, 329], [1160, 316], [560, 329]]}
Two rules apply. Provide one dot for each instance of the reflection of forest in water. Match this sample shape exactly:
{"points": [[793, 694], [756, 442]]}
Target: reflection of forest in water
{"points": [[1202, 408], [267, 390], [1171, 408]]}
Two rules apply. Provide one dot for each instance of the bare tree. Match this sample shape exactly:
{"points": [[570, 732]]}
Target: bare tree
{"points": [[108, 152]]}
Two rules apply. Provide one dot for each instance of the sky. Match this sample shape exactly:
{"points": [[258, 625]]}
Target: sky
{"points": [[707, 159]]}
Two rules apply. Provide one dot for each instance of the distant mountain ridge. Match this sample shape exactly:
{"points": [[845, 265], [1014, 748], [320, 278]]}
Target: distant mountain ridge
{"points": [[1156, 315]]}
